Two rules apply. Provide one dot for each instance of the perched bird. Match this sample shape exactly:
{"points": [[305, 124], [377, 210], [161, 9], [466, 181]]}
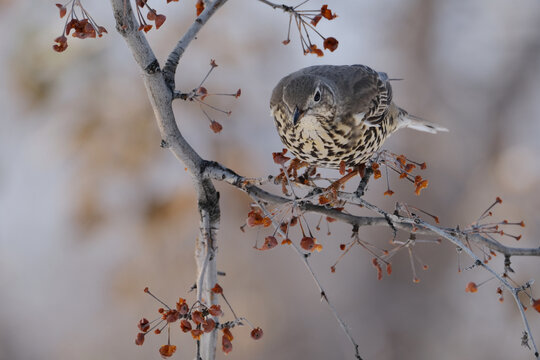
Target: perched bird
{"points": [[327, 114]]}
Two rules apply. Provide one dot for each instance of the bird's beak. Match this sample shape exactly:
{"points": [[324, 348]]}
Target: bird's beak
{"points": [[297, 115]]}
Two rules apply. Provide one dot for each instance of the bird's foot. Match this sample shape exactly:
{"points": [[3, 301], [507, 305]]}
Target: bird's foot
{"points": [[365, 175], [339, 183]]}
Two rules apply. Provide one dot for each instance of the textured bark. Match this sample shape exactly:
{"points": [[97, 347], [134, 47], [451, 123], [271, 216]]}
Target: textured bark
{"points": [[160, 94]]}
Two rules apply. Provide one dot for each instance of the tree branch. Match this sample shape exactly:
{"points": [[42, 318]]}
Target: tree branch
{"points": [[174, 57], [161, 89], [324, 296], [205, 256], [411, 225], [160, 94], [219, 172], [277, 6]]}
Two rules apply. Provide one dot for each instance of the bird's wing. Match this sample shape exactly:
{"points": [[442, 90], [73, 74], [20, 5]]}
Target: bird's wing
{"points": [[366, 94], [363, 93]]}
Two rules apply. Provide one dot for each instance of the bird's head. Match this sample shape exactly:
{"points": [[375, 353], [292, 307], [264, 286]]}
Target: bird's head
{"points": [[309, 97]]}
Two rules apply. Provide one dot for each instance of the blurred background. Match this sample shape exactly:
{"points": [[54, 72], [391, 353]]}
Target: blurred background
{"points": [[92, 210]]}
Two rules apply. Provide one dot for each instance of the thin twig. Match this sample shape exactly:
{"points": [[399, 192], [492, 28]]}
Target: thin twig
{"points": [[324, 296], [169, 70], [276, 6]]}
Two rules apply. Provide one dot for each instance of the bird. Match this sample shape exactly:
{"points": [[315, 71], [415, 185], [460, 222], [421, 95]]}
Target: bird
{"points": [[330, 115]]}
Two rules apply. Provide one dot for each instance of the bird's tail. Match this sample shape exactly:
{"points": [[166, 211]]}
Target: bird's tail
{"points": [[407, 120]]}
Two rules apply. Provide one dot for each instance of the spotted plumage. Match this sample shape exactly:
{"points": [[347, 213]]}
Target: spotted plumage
{"points": [[329, 114]]}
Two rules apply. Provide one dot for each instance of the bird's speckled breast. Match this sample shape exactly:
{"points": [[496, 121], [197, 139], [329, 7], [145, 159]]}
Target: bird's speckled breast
{"points": [[327, 144]]}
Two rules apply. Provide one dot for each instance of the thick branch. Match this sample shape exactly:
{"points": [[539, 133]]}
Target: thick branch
{"points": [[205, 256], [161, 96], [158, 92]]}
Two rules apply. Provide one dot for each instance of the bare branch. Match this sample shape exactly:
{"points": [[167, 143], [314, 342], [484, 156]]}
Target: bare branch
{"points": [[276, 6], [219, 172], [205, 256], [169, 70], [161, 96], [411, 225], [161, 91], [158, 92], [324, 296]]}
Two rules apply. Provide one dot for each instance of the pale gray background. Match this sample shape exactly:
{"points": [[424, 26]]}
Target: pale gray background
{"points": [[92, 210]]}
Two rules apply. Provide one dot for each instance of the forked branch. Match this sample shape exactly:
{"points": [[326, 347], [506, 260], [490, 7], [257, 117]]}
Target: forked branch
{"points": [[160, 92], [160, 86]]}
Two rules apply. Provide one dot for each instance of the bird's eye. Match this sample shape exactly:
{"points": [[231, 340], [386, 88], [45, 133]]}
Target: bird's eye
{"points": [[317, 96]]}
